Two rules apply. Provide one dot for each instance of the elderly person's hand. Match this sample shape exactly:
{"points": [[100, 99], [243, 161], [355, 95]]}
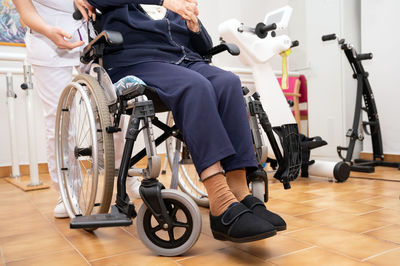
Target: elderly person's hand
{"points": [[86, 9], [188, 11]]}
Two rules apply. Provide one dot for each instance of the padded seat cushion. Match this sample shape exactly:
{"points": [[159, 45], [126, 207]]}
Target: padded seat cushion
{"points": [[149, 92]]}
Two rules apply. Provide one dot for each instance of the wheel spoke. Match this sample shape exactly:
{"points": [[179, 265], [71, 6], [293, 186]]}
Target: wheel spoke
{"points": [[156, 228], [81, 128], [180, 224], [84, 137], [171, 235], [174, 211]]}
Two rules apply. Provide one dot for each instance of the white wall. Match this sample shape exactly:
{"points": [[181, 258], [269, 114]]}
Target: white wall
{"points": [[331, 88], [379, 28]]}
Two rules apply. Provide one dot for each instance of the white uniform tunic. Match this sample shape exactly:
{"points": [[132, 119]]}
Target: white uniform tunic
{"points": [[43, 52]]}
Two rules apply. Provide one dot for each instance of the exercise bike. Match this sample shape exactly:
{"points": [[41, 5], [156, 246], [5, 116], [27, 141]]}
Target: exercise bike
{"points": [[258, 45], [370, 127]]}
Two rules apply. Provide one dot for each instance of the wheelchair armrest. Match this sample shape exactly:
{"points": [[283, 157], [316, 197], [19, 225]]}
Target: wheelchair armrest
{"points": [[232, 48], [96, 47]]}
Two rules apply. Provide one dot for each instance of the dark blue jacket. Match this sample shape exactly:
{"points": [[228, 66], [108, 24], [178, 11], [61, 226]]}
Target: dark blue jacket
{"points": [[145, 39]]}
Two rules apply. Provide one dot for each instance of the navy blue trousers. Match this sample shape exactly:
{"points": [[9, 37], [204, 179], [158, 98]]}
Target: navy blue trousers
{"points": [[208, 107]]}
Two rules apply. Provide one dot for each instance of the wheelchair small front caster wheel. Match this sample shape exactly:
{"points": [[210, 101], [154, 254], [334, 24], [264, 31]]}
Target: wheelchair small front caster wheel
{"points": [[183, 233]]}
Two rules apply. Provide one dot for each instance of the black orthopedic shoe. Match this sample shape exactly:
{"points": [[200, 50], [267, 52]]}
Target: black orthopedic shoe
{"points": [[259, 209], [239, 224]]}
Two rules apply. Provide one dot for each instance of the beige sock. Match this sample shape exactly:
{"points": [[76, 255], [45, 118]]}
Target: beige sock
{"points": [[237, 182], [219, 194]]}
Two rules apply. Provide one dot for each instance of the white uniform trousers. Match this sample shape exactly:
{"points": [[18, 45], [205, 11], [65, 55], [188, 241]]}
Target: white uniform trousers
{"points": [[49, 83]]}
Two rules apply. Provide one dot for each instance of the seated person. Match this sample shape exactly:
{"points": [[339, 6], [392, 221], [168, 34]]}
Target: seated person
{"points": [[206, 102]]}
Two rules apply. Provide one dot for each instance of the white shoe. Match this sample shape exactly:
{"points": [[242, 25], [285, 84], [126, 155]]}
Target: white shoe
{"points": [[132, 187], [59, 210]]}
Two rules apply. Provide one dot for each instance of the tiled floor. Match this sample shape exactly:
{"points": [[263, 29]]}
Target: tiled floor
{"points": [[353, 223]]}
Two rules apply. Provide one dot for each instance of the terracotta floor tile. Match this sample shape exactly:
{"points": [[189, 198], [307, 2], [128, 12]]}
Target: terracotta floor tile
{"points": [[139, 257], [104, 242], [326, 216], [63, 258], [325, 189], [297, 197], [391, 258], [205, 218], [343, 220], [393, 193], [7, 187], [343, 206], [8, 197], [390, 233], [22, 225], [383, 201], [9, 209], [228, 256], [295, 223], [2, 260], [315, 256], [63, 226], [37, 242], [44, 198], [357, 224], [352, 244], [386, 215], [272, 247], [282, 206], [381, 188], [204, 245], [349, 195]]}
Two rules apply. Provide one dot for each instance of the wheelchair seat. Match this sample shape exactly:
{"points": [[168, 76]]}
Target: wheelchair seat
{"points": [[131, 86]]}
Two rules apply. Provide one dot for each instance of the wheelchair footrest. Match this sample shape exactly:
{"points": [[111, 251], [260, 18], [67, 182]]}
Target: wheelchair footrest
{"points": [[115, 218]]}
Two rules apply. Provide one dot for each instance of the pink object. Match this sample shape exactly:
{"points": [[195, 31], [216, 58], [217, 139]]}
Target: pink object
{"points": [[303, 89], [297, 92]]}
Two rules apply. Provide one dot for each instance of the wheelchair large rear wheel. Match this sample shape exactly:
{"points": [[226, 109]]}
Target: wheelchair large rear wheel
{"points": [[189, 181], [84, 149]]}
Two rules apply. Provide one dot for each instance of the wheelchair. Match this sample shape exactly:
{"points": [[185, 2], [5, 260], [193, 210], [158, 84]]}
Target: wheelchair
{"points": [[89, 112]]}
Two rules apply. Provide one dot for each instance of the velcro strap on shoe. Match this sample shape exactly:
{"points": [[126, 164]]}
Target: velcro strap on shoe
{"points": [[234, 211], [252, 202]]}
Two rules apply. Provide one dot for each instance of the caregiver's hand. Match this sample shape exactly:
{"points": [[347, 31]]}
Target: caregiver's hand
{"points": [[58, 36]]}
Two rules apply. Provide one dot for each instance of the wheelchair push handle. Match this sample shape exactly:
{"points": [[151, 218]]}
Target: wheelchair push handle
{"points": [[329, 37], [77, 15]]}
